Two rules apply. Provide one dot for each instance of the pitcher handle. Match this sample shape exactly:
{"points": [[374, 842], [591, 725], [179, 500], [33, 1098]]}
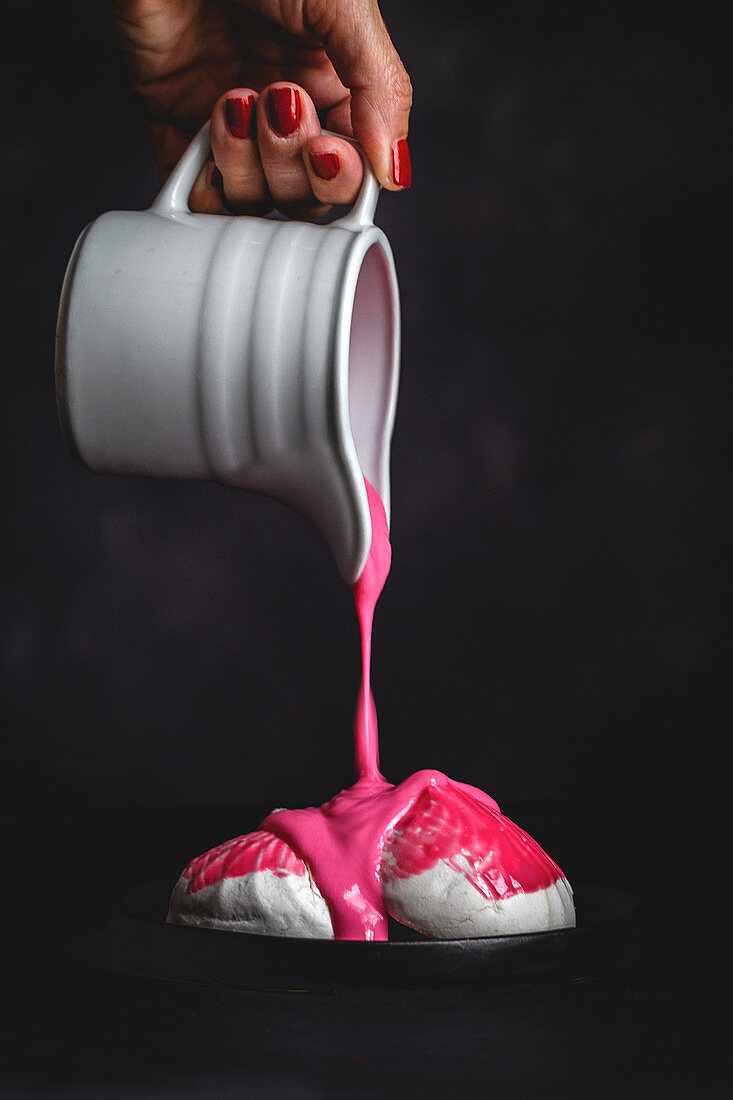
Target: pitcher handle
{"points": [[361, 214], [173, 197]]}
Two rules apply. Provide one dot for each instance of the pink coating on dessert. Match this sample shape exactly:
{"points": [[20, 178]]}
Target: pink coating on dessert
{"points": [[343, 843], [492, 853], [260, 851]]}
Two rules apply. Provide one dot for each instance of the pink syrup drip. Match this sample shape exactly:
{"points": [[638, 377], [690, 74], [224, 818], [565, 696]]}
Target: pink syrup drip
{"points": [[374, 828]]}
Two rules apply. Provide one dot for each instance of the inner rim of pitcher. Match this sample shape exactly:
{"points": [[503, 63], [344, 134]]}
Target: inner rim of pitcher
{"points": [[373, 365]]}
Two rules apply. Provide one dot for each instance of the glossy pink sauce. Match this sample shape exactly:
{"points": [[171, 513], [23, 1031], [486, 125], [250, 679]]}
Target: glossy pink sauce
{"points": [[447, 822], [375, 830], [257, 851], [367, 591]]}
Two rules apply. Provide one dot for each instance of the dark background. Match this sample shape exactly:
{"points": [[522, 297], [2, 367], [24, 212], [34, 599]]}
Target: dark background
{"points": [[549, 627], [178, 658]]}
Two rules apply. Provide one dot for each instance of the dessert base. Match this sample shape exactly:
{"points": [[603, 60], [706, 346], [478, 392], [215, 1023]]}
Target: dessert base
{"points": [[136, 940]]}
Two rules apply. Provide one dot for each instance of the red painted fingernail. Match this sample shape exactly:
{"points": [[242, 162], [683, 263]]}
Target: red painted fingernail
{"points": [[401, 163], [239, 115], [284, 110], [325, 165], [215, 179]]}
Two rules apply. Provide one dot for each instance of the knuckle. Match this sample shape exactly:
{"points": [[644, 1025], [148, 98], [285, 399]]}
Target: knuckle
{"points": [[400, 88]]}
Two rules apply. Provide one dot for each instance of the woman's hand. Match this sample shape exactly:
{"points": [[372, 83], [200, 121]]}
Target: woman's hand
{"points": [[262, 69]]}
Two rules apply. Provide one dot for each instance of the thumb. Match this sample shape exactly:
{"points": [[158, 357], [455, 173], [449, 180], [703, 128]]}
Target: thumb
{"points": [[359, 47]]}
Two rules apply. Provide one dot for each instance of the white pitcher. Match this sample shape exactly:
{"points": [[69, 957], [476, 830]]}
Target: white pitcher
{"points": [[259, 353]]}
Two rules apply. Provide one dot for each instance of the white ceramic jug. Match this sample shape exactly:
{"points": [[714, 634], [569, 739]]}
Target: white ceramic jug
{"points": [[260, 353]]}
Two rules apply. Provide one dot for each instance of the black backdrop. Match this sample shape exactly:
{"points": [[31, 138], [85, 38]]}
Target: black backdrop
{"points": [[550, 626]]}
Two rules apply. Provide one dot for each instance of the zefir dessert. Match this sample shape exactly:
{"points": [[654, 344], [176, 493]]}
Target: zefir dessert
{"points": [[432, 853]]}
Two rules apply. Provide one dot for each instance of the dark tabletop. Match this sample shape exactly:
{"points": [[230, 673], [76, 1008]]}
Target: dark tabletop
{"points": [[650, 1028]]}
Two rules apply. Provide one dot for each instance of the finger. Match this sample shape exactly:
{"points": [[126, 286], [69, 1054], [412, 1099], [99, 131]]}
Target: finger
{"points": [[358, 44], [235, 149], [339, 117], [334, 169], [286, 119], [206, 197]]}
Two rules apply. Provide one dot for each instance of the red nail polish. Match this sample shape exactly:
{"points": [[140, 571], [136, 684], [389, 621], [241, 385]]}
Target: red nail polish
{"points": [[215, 179], [284, 110], [325, 165], [239, 115], [401, 163]]}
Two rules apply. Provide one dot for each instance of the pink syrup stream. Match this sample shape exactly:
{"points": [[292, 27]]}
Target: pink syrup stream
{"points": [[342, 842], [367, 591]]}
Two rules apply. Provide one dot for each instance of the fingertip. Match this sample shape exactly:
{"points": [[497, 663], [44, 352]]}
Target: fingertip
{"points": [[234, 117], [401, 164], [393, 166], [334, 168], [239, 113], [206, 193], [325, 165], [283, 108], [389, 156]]}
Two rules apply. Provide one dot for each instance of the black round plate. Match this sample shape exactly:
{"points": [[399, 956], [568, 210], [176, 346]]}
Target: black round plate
{"points": [[137, 941]]}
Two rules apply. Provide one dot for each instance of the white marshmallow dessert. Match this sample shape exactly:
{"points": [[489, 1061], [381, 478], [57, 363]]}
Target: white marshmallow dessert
{"points": [[451, 868], [454, 870], [255, 883]]}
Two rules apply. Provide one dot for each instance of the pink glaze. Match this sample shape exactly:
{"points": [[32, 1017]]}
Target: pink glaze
{"points": [[343, 841], [375, 829], [258, 851], [448, 823]]}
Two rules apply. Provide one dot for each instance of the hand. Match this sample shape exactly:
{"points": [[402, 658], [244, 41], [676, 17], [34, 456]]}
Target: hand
{"points": [[237, 61]]}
